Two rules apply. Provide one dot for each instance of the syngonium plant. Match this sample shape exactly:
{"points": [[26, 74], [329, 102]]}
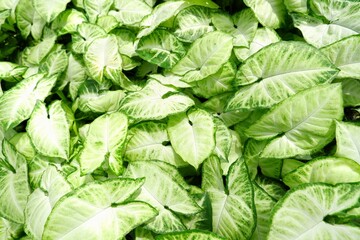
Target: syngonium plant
{"points": [[174, 120]]}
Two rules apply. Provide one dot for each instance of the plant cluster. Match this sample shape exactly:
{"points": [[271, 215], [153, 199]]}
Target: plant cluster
{"points": [[174, 120]]}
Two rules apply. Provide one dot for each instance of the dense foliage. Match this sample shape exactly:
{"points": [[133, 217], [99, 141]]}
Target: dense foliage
{"points": [[173, 120]]}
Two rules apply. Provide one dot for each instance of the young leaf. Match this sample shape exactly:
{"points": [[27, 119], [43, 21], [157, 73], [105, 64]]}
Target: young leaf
{"points": [[167, 195], [87, 33], [160, 14], [218, 83], [14, 187], [130, 12], [279, 71], [330, 170], [205, 57], [49, 10], [28, 19], [262, 38], [40, 202], [104, 142], [102, 58], [148, 141], [242, 26], [192, 135], [193, 22], [49, 130], [155, 102], [100, 210], [300, 124], [55, 63], [233, 209], [302, 213], [160, 48], [97, 8], [17, 103]]}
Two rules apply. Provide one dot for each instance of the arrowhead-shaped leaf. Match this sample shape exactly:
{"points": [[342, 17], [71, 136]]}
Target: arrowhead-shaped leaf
{"points": [[300, 124], [155, 101], [192, 135], [104, 142], [99, 211], [17, 103], [14, 187], [302, 213], [279, 71], [205, 57], [49, 130]]}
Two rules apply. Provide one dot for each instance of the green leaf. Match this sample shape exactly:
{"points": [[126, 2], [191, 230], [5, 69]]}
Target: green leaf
{"points": [[49, 10], [301, 124], [205, 57], [40, 202], [36, 54], [218, 83], [68, 21], [49, 130], [55, 63], [148, 141], [342, 13], [279, 71], [223, 140], [274, 188], [74, 75], [159, 14], [28, 19], [190, 234], [11, 71], [167, 195], [319, 33], [10, 230], [345, 55], [242, 26], [104, 142], [97, 8], [301, 213], [348, 141], [87, 33], [262, 38], [299, 6], [193, 22], [192, 135], [350, 89], [270, 13], [264, 203], [233, 208], [107, 22], [17, 103], [330, 170], [155, 102], [130, 12], [21, 141], [14, 187], [102, 58], [125, 39], [160, 48], [103, 210]]}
